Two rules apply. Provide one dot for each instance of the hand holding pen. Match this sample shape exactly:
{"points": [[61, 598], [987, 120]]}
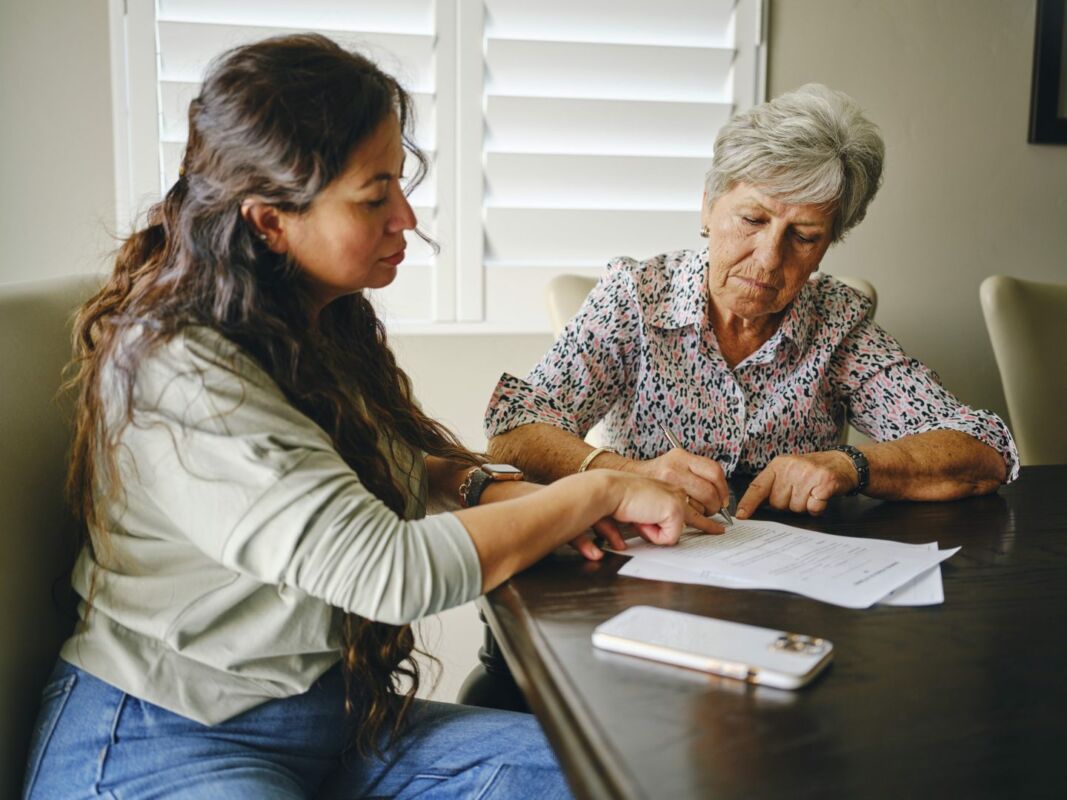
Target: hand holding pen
{"points": [[725, 495], [702, 478]]}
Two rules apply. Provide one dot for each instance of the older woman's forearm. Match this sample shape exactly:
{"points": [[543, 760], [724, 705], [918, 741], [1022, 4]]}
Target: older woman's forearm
{"points": [[938, 465], [544, 452]]}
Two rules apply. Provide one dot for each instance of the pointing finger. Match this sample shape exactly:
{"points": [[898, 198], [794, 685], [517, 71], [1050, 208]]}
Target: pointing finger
{"points": [[758, 491]]}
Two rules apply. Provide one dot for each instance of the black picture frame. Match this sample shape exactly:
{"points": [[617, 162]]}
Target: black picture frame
{"points": [[1048, 91]]}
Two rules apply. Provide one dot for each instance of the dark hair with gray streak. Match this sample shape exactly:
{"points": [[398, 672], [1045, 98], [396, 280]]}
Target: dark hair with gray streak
{"points": [[811, 145]]}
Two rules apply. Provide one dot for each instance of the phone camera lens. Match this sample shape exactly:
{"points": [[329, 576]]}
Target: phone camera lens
{"points": [[798, 643]]}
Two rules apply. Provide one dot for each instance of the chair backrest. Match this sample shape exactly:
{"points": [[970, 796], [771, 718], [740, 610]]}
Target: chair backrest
{"points": [[565, 294], [1027, 323], [865, 288], [38, 539]]}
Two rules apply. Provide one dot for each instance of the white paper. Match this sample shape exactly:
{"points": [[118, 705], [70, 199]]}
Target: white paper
{"points": [[923, 590], [846, 571]]}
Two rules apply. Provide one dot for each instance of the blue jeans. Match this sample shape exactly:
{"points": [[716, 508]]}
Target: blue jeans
{"points": [[93, 740]]}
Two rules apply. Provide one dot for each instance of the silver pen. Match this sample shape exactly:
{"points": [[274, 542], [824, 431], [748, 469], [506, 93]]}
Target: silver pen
{"points": [[675, 443]]}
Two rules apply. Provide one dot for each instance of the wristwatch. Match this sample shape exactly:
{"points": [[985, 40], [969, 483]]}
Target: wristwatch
{"points": [[859, 461], [470, 491]]}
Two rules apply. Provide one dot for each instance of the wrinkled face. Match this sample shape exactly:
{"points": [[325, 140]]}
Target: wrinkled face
{"points": [[352, 236], [761, 250]]}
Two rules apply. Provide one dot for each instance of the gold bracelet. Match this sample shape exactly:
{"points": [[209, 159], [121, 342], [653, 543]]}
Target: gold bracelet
{"points": [[593, 454]]}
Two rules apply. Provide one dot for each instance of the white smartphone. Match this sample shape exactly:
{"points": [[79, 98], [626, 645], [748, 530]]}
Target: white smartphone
{"points": [[757, 655]]}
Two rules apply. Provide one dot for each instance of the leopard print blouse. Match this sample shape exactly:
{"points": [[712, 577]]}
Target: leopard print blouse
{"points": [[641, 354]]}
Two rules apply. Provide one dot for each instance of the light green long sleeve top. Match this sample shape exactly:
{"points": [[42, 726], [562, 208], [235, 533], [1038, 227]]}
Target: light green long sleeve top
{"points": [[238, 537]]}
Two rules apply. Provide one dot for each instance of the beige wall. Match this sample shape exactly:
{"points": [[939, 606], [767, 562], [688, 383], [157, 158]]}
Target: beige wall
{"points": [[57, 184], [965, 196]]}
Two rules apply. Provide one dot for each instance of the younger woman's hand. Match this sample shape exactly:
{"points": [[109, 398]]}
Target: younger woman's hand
{"points": [[658, 511], [606, 529]]}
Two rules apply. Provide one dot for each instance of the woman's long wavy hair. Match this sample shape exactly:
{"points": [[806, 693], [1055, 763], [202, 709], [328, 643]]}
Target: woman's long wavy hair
{"points": [[276, 120]]}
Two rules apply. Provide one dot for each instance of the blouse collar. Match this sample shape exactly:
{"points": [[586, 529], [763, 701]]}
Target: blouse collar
{"points": [[682, 300]]}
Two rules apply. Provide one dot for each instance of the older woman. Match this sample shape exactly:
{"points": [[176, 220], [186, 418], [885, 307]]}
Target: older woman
{"points": [[747, 354]]}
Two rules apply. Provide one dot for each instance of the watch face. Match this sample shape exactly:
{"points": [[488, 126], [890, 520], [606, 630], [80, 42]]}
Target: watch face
{"points": [[502, 471]]}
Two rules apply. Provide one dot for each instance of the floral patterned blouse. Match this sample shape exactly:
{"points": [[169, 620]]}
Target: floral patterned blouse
{"points": [[641, 354]]}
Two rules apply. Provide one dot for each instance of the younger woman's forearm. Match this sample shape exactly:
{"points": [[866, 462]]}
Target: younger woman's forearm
{"points": [[445, 478], [512, 534]]}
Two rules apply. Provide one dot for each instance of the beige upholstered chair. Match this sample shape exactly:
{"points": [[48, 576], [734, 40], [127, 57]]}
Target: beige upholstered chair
{"points": [[38, 540], [565, 294], [1027, 323], [866, 288]]}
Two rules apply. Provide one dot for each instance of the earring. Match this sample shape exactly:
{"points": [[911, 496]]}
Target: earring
{"points": [[704, 231], [262, 237]]}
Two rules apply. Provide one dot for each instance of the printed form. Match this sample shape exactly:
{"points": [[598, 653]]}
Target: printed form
{"points": [[845, 571]]}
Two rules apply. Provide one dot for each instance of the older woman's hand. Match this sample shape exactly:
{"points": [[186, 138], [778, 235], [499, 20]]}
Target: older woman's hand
{"points": [[801, 483], [702, 479]]}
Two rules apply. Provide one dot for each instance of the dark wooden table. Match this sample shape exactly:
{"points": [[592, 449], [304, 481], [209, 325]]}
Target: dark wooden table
{"points": [[966, 699]]}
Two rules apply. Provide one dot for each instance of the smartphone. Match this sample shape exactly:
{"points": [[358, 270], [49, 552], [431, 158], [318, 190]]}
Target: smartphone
{"points": [[749, 653]]}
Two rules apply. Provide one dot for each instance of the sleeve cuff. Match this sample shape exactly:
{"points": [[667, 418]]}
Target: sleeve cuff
{"points": [[515, 403]]}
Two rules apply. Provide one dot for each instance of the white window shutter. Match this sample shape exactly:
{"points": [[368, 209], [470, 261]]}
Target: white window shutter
{"points": [[561, 132], [178, 41], [600, 120]]}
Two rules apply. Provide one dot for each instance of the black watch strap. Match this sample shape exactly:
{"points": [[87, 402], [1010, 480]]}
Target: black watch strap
{"points": [[859, 461], [473, 486]]}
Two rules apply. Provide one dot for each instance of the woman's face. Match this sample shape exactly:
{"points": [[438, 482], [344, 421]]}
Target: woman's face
{"points": [[352, 236], [761, 250]]}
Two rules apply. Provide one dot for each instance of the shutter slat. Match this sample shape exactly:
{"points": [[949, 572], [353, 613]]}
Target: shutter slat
{"points": [[382, 16], [564, 181], [174, 106], [608, 71], [423, 199], [522, 237], [185, 50], [698, 23], [604, 127]]}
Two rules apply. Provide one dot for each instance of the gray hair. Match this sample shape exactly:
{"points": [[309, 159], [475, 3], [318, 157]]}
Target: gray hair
{"points": [[811, 145]]}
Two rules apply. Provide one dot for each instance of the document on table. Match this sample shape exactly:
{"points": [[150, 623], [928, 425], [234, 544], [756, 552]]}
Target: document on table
{"points": [[922, 590], [846, 571]]}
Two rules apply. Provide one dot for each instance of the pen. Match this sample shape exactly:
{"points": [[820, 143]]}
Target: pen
{"points": [[675, 443]]}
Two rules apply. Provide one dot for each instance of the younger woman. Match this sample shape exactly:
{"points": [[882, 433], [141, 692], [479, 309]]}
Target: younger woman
{"points": [[254, 472]]}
